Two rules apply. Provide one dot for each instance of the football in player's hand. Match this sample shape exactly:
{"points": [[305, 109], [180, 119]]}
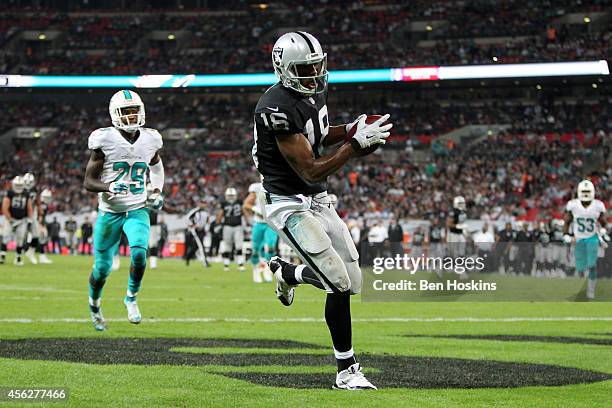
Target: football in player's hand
{"points": [[351, 133]]}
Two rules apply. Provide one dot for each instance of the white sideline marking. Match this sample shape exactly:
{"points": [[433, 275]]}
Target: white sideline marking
{"points": [[35, 289], [319, 320]]}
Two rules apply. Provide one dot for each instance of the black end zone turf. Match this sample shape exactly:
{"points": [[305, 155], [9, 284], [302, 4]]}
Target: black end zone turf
{"points": [[391, 371]]}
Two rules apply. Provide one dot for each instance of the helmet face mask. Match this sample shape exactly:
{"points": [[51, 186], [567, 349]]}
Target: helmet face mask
{"points": [[127, 111], [308, 78], [300, 63], [17, 185]]}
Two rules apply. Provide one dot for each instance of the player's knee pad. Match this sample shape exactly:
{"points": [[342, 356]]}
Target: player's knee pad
{"points": [[138, 256], [315, 247]]}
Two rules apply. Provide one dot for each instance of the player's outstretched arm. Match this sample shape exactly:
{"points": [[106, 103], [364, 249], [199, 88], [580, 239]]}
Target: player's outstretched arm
{"points": [[298, 153], [248, 204], [93, 171]]}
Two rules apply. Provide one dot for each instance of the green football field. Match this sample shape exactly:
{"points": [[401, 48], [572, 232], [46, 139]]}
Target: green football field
{"points": [[214, 338]]}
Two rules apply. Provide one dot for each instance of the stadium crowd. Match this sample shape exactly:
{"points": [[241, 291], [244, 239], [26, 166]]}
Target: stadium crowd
{"points": [[357, 37], [526, 171]]}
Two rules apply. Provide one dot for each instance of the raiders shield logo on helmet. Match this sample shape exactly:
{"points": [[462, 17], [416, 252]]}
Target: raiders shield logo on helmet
{"points": [[277, 54]]}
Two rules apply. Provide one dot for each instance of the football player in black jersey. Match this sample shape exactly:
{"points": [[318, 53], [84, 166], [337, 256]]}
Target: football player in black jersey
{"points": [[29, 182], [457, 229], [291, 130], [17, 211], [230, 216]]}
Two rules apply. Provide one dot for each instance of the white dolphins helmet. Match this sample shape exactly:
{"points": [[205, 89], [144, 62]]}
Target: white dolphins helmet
{"points": [[17, 184], [297, 58], [459, 203], [231, 194], [586, 191], [45, 196], [29, 181], [121, 120]]}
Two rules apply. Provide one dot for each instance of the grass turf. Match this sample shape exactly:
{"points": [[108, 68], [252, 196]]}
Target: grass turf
{"points": [[225, 341]]}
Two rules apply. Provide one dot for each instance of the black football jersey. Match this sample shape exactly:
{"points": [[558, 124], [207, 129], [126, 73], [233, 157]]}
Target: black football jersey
{"points": [[507, 236], [541, 236], [71, 226], [282, 111], [33, 194], [556, 236], [459, 217], [435, 234], [417, 238], [232, 213], [19, 204]]}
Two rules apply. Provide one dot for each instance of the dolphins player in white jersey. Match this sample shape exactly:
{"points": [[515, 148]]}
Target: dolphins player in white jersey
{"points": [[585, 212], [117, 170], [263, 238]]}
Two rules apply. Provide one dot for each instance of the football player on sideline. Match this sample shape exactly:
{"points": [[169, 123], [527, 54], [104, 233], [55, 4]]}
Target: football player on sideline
{"points": [[17, 211], [263, 238], [291, 130], [230, 216], [29, 182], [117, 171], [585, 212]]}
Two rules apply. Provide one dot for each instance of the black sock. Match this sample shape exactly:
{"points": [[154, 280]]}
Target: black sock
{"points": [[308, 276], [338, 318], [288, 273]]}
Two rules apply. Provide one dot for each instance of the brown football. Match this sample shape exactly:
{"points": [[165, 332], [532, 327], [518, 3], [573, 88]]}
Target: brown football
{"points": [[351, 133]]}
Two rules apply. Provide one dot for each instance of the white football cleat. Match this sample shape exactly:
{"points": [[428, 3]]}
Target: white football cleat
{"points": [[43, 259], [116, 263], [98, 320], [352, 379], [18, 261], [31, 256], [590, 292], [134, 316], [267, 274], [257, 274], [284, 291]]}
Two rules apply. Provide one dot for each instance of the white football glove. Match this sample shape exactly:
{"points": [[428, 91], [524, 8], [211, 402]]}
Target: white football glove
{"points": [[155, 201], [118, 187], [372, 134], [603, 233], [349, 126], [567, 239]]}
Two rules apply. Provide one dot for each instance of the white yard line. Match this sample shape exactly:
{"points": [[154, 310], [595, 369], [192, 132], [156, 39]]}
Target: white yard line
{"points": [[318, 320]]}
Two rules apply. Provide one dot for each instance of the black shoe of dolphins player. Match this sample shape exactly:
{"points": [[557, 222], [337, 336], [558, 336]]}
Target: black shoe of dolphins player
{"points": [[284, 291]]}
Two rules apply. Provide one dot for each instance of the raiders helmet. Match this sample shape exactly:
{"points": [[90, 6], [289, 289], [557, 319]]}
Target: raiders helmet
{"points": [[231, 194], [300, 63], [29, 181], [459, 203], [17, 184]]}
